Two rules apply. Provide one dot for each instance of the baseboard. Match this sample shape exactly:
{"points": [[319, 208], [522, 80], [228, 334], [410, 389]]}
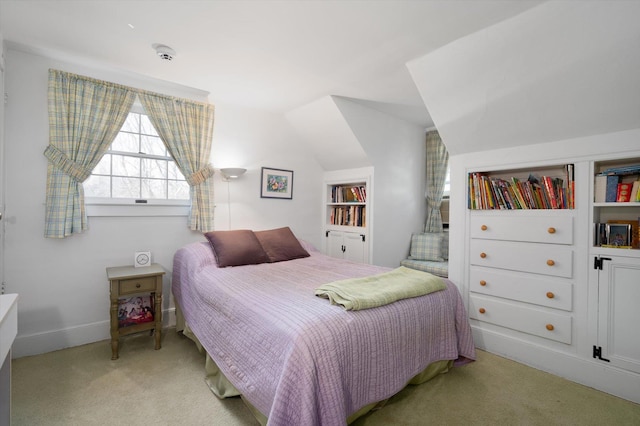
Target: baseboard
{"points": [[594, 374], [49, 341]]}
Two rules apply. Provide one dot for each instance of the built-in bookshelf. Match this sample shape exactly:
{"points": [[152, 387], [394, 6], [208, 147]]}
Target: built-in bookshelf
{"points": [[542, 188], [616, 206], [346, 219], [347, 205]]}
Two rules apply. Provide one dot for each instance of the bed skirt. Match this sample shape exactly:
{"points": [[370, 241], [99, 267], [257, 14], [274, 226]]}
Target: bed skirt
{"points": [[223, 388]]}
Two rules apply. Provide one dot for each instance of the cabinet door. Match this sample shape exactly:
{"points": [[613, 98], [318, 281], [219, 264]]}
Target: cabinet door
{"points": [[354, 247], [619, 312], [335, 247]]}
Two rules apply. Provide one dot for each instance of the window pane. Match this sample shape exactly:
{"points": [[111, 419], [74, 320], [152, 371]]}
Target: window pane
{"points": [[146, 128], [154, 168], [135, 174], [125, 166], [126, 187], [104, 166], [447, 183], [126, 142], [152, 145], [154, 188], [174, 172], [132, 123], [97, 186], [178, 190]]}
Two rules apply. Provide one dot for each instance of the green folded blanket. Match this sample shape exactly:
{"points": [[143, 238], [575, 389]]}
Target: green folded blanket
{"points": [[377, 290]]}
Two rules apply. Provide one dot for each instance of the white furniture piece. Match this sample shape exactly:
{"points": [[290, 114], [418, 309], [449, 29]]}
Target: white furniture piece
{"points": [[538, 288], [521, 271], [8, 332], [347, 214]]}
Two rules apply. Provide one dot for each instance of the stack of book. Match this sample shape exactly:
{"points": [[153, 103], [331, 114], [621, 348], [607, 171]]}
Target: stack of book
{"points": [[348, 216], [349, 194], [618, 184], [486, 192]]}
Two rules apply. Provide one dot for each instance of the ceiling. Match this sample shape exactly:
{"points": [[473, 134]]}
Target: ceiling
{"points": [[271, 55]]}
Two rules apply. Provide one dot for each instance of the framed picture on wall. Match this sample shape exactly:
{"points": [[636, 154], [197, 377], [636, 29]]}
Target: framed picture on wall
{"points": [[276, 183]]}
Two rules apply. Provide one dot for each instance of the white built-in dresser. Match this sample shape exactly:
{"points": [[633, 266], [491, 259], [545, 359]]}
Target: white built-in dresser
{"points": [[539, 287]]}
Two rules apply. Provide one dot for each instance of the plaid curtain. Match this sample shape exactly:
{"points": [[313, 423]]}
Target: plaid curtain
{"points": [[186, 128], [437, 163], [85, 116]]}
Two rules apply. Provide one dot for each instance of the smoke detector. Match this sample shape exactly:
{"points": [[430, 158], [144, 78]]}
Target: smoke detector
{"points": [[165, 52]]}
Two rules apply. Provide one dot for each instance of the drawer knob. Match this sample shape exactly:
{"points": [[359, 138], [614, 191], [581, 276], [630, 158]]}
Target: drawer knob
{"points": [[549, 327], [483, 283], [137, 285], [483, 255], [550, 262], [483, 227], [551, 230], [481, 310], [550, 295]]}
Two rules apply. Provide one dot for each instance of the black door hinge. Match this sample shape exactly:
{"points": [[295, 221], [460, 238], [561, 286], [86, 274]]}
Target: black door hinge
{"points": [[597, 353], [344, 248], [362, 235], [326, 233], [597, 262]]}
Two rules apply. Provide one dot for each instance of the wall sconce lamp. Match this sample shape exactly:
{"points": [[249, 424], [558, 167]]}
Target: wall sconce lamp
{"points": [[232, 173]]}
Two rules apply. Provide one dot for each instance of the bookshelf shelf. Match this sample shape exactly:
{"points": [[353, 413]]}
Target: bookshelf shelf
{"points": [[624, 171], [542, 188]]}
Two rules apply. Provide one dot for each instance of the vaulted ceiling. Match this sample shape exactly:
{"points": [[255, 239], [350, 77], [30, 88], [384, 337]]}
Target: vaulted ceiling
{"points": [[487, 74], [274, 54]]}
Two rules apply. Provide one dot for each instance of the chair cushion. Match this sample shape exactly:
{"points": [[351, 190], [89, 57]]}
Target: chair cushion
{"points": [[440, 269], [426, 246]]}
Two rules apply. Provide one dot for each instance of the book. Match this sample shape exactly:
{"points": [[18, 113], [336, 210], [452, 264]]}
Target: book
{"points": [[135, 310], [634, 191], [624, 170], [612, 188], [570, 186], [624, 192], [600, 189]]}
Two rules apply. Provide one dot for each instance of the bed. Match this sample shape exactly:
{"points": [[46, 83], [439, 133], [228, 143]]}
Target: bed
{"points": [[298, 359]]}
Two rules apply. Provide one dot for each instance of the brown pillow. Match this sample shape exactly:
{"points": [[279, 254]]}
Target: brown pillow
{"points": [[280, 244], [235, 248]]}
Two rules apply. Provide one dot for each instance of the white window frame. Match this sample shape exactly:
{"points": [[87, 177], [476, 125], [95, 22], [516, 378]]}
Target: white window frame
{"points": [[106, 207]]}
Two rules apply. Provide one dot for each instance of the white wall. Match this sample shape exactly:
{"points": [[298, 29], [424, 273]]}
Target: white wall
{"points": [[64, 297], [397, 151]]}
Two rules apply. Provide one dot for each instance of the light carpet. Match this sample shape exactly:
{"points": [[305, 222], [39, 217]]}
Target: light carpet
{"points": [[83, 386]]}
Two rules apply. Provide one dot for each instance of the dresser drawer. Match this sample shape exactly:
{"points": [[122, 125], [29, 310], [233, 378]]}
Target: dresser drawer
{"points": [[520, 317], [137, 285], [527, 288], [536, 229], [546, 259]]}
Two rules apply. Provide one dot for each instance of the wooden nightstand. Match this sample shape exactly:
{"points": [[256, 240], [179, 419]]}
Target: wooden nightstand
{"points": [[127, 281]]}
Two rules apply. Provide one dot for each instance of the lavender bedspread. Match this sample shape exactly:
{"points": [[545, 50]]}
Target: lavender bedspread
{"points": [[297, 358]]}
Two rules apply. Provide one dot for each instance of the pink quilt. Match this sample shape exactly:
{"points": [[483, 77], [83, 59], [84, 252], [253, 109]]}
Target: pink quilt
{"points": [[297, 358]]}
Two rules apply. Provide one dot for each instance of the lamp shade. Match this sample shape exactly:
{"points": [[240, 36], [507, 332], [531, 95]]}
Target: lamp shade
{"points": [[232, 172]]}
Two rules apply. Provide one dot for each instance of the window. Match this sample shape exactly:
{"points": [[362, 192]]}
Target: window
{"points": [[447, 184], [137, 166]]}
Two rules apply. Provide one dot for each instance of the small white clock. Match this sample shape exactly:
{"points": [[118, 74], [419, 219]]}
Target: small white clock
{"points": [[142, 258]]}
